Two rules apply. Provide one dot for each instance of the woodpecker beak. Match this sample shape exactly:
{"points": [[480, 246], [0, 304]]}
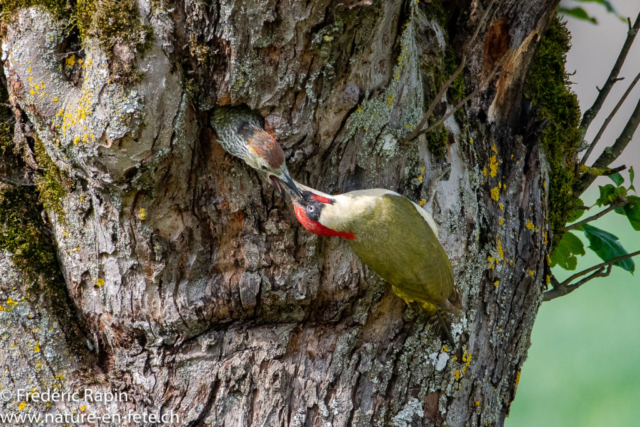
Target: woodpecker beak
{"points": [[290, 185]]}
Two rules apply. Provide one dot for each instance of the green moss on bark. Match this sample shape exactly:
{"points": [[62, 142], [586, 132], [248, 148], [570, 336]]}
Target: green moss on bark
{"points": [[112, 22], [437, 142], [548, 87], [53, 182]]}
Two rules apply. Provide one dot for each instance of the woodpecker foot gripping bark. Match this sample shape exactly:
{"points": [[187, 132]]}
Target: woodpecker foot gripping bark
{"points": [[446, 329]]}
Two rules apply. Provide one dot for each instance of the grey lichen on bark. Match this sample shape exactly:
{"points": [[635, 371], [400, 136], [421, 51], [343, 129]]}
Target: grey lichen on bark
{"points": [[200, 292]]}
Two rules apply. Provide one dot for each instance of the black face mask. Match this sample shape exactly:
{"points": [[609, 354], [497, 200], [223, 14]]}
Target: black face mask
{"points": [[313, 210]]}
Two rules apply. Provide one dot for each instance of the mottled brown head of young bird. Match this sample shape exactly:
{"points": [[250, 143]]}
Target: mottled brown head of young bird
{"points": [[242, 133], [393, 236]]}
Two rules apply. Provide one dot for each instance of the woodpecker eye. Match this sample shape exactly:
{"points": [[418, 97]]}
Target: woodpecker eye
{"points": [[264, 168], [313, 212]]}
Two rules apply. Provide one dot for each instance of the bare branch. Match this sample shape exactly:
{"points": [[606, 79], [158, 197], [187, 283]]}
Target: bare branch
{"points": [[614, 170], [592, 112], [9, 181], [608, 120], [458, 105], [562, 290], [417, 132], [596, 216], [610, 154], [565, 284], [437, 99]]}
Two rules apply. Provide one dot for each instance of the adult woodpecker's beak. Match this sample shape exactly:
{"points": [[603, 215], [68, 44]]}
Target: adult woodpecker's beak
{"points": [[290, 185]]}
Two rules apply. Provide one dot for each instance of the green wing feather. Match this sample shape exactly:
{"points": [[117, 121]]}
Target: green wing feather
{"points": [[398, 244]]}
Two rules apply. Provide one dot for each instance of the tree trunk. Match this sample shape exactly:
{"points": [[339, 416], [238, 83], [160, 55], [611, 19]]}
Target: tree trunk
{"points": [[191, 286]]}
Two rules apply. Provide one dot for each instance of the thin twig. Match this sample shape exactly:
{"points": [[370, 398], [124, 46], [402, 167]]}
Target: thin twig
{"points": [[459, 104], [562, 290], [437, 99], [610, 154], [613, 206], [417, 132], [614, 170], [9, 181], [592, 112], [608, 120], [599, 266]]}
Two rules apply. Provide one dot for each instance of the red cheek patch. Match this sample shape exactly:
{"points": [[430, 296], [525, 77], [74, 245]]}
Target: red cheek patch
{"points": [[316, 227], [321, 199]]}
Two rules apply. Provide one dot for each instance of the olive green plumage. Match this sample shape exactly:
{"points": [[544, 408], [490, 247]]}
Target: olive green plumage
{"points": [[393, 236], [395, 241]]}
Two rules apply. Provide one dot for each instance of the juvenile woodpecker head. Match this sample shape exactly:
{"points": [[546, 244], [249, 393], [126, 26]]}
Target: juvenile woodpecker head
{"points": [[241, 132], [317, 211]]}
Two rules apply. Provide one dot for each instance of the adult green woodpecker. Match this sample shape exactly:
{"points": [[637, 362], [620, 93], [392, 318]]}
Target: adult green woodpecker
{"points": [[242, 133], [393, 236]]}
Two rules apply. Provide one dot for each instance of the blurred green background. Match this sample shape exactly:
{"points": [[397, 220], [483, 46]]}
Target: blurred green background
{"points": [[583, 367]]}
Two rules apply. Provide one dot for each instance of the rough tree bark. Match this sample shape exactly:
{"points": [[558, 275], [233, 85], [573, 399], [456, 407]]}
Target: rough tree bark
{"points": [[190, 285]]}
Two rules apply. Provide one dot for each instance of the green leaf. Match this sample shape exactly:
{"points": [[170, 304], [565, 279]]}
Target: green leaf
{"points": [[608, 195], [576, 213], [604, 3], [632, 210], [578, 13], [607, 5], [607, 247], [565, 253], [632, 175], [617, 178]]}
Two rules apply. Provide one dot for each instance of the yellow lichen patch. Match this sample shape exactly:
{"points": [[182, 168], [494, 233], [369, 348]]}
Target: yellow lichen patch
{"points": [[484, 172], [529, 225], [501, 221], [358, 110], [495, 193], [423, 202], [532, 273], [495, 150], [36, 348], [493, 166], [83, 407], [22, 405], [444, 347], [471, 141], [70, 61], [496, 283], [501, 206], [457, 374], [500, 251], [548, 280], [466, 358], [492, 260], [390, 100], [477, 403], [420, 178], [142, 214], [100, 282]]}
